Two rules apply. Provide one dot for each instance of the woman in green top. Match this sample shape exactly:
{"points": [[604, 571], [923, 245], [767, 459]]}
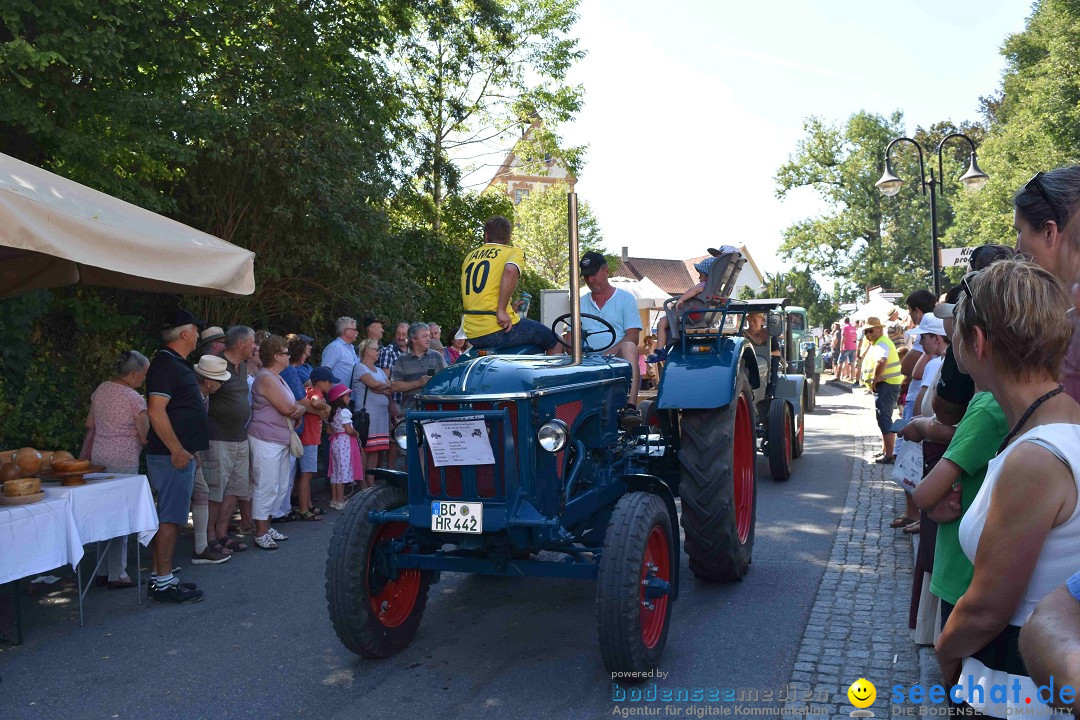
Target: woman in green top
{"points": [[949, 489]]}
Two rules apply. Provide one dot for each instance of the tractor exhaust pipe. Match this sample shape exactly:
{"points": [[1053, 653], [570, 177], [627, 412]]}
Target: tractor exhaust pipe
{"points": [[575, 279]]}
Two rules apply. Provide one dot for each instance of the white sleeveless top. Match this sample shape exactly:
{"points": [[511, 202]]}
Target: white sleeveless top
{"points": [[1058, 559]]}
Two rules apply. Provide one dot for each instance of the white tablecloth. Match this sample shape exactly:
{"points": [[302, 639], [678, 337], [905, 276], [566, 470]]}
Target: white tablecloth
{"points": [[51, 533], [37, 538], [110, 506]]}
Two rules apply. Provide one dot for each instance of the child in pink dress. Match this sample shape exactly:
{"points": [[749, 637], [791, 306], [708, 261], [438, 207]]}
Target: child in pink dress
{"points": [[346, 460]]}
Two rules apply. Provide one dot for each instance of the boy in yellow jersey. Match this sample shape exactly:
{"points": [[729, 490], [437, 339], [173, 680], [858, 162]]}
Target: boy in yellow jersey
{"points": [[489, 275]]}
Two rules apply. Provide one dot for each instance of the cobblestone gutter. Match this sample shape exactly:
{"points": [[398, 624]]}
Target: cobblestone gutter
{"points": [[858, 623]]}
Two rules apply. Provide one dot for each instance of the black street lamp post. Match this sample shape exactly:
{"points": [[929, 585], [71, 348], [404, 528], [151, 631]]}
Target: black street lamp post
{"points": [[890, 185]]}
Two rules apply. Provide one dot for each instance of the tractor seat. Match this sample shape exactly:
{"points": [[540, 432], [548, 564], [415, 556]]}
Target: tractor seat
{"points": [[718, 288]]}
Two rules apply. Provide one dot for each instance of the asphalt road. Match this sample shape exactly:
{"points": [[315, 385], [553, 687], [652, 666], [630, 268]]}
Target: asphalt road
{"points": [[261, 645]]}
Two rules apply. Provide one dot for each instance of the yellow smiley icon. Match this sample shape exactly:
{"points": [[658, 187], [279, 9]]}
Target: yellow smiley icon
{"points": [[862, 693]]}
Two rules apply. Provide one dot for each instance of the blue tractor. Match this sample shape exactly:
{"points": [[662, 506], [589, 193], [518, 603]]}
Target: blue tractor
{"points": [[518, 466]]}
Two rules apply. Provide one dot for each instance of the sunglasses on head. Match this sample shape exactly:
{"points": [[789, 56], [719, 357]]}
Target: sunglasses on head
{"points": [[1036, 184], [971, 298]]}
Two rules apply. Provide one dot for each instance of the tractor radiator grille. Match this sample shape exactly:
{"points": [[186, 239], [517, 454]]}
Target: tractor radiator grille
{"points": [[568, 413], [490, 481]]}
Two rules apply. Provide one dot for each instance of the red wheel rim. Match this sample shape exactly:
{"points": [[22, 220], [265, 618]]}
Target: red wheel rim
{"points": [[743, 469], [394, 603], [656, 563]]}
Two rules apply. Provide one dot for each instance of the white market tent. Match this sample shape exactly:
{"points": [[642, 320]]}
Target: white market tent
{"points": [[56, 232], [648, 294]]}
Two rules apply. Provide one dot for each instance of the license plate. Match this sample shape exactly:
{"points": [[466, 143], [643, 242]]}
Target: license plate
{"points": [[457, 517]]}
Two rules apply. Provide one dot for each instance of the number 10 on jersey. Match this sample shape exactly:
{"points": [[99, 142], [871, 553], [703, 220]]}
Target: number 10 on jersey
{"points": [[476, 277]]}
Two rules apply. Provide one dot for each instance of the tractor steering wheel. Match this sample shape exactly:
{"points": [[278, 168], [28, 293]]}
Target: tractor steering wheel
{"points": [[585, 334]]}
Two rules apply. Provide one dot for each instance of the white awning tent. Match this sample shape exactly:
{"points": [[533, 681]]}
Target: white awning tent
{"points": [[881, 309], [648, 294], [56, 232]]}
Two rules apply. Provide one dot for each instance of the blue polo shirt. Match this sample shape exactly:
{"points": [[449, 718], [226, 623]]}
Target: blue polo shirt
{"points": [[620, 310]]}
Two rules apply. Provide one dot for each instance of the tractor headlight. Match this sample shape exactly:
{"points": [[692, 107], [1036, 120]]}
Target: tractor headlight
{"points": [[553, 435], [400, 436]]}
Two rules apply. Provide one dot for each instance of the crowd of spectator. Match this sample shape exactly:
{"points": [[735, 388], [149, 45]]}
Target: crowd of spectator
{"points": [[240, 421], [987, 386]]}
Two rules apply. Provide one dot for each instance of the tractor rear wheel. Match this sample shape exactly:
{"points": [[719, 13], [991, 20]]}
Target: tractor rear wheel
{"points": [[373, 615], [633, 589], [780, 439], [718, 486]]}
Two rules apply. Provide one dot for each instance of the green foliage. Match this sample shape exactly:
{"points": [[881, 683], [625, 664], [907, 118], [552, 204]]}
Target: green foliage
{"points": [[806, 293], [474, 70], [57, 348], [865, 238], [540, 229], [1034, 121]]}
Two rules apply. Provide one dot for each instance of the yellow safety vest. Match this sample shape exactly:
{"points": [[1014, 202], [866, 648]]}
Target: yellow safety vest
{"points": [[891, 374]]}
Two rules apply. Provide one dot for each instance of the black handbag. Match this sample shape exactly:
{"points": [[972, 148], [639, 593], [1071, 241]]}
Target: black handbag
{"points": [[361, 420]]}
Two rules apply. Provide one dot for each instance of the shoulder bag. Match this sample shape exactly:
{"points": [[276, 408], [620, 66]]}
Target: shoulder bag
{"points": [[296, 448], [361, 420]]}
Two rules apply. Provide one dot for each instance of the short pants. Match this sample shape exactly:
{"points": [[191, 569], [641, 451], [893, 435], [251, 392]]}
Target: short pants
{"points": [[309, 462], [173, 487], [847, 356], [525, 332], [887, 395], [226, 465]]}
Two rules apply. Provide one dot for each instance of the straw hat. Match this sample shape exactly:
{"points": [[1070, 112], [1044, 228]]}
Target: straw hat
{"points": [[213, 368]]}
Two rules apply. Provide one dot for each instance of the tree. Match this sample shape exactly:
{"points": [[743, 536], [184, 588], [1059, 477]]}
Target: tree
{"points": [[866, 238], [1034, 121], [540, 229], [805, 292], [472, 70]]}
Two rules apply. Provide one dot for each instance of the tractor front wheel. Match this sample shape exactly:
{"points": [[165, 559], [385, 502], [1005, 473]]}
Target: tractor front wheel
{"points": [[373, 614], [633, 589], [780, 439], [718, 486]]}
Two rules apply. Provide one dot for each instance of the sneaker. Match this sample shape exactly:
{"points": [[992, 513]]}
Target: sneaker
{"points": [[335, 505], [658, 356], [209, 556], [151, 585], [275, 535], [265, 542], [177, 594], [630, 418]]}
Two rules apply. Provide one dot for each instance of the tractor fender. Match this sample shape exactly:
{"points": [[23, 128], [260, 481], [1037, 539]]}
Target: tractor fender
{"points": [[703, 381], [656, 486], [789, 388], [392, 477]]}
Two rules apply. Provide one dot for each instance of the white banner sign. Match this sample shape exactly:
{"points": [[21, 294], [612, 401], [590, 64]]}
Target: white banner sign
{"points": [[955, 257], [459, 442]]}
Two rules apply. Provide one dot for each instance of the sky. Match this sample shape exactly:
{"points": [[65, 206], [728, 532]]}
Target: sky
{"points": [[692, 106]]}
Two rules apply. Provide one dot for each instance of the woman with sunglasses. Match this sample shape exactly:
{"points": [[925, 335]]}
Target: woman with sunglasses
{"points": [[1023, 527], [1048, 232]]}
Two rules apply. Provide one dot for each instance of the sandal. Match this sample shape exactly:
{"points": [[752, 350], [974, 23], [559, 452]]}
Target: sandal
{"points": [[902, 521], [316, 511], [275, 535], [217, 547], [266, 542], [233, 545], [913, 528], [309, 515], [885, 460]]}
